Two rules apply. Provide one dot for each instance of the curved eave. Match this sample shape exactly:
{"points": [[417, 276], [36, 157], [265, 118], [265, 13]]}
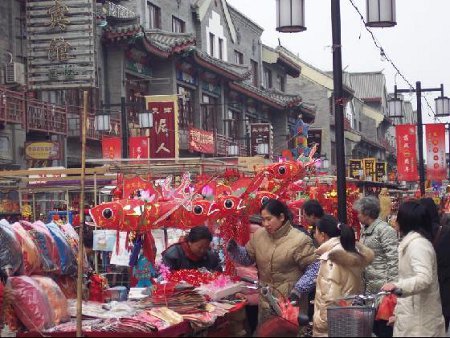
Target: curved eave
{"points": [[263, 99], [291, 68], [218, 70]]}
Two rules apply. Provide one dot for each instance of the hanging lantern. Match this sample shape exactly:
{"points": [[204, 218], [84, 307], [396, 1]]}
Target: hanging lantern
{"points": [[395, 106], [442, 106], [146, 119], [233, 150], [381, 13], [102, 122], [263, 149], [290, 16]]}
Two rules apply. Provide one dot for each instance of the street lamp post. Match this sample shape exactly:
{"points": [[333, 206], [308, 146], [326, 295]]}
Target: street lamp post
{"points": [[290, 18], [439, 112]]}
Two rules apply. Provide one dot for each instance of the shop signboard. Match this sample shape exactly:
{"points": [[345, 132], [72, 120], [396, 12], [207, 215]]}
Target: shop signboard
{"points": [[164, 139], [369, 169], [45, 150], [436, 160], [201, 141], [61, 44], [381, 171], [406, 153], [261, 139], [139, 147], [112, 148], [356, 169]]}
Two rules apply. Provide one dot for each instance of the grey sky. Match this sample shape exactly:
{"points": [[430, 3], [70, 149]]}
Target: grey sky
{"points": [[419, 45]]}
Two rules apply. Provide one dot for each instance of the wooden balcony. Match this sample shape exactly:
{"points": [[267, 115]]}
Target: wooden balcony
{"points": [[46, 117], [12, 106]]}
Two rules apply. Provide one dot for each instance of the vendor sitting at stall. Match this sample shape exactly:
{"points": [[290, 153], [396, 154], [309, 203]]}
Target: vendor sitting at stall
{"points": [[192, 252]]}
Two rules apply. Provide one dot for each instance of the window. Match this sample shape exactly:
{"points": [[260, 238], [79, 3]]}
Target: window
{"points": [[186, 108], [238, 58], [154, 16], [178, 26], [211, 44], [220, 48], [281, 83], [234, 129], [255, 79], [267, 78], [209, 116]]}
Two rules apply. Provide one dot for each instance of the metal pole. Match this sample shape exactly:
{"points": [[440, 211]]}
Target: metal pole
{"points": [[420, 138], [124, 121], [81, 247], [339, 110]]}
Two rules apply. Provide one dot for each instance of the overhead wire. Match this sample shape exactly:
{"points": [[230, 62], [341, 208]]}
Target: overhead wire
{"points": [[387, 58]]}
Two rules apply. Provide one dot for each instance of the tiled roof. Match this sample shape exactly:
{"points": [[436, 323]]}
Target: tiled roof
{"points": [[370, 85], [272, 98], [230, 70], [156, 41], [170, 42]]}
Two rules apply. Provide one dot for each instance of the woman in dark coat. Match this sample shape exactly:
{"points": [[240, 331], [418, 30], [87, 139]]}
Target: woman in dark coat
{"points": [[441, 240], [192, 252]]}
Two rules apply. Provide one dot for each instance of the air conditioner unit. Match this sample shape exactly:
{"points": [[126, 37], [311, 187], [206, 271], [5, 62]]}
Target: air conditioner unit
{"points": [[15, 73]]}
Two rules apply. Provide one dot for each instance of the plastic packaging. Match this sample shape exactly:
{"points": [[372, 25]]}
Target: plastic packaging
{"points": [[30, 303], [31, 257], [11, 257], [50, 261], [56, 298], [66, 254]]}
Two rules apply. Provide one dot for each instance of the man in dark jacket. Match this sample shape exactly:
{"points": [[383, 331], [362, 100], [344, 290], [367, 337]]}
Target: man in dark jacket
{"points": [[192, 252]]}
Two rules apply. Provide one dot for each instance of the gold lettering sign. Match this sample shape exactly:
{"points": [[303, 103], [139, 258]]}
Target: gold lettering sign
{"points": [[58, 15]]}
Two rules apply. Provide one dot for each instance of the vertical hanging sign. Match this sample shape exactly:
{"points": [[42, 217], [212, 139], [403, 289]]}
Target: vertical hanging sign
{"points": [[164, 134], [436, 161], [406, 152]]}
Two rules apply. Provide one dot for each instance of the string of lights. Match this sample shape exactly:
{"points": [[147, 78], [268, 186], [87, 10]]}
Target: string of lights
{"points": [[387, 58]]}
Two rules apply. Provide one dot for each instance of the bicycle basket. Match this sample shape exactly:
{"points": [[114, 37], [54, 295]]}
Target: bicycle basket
{"points": [[351, 321]]}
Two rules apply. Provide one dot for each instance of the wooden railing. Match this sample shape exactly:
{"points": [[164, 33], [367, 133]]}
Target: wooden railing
{"points": [[12, 106], [46, 117]]}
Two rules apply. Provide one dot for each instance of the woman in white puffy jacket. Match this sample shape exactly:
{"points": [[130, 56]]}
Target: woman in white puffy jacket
{"points": [[418, 312]]}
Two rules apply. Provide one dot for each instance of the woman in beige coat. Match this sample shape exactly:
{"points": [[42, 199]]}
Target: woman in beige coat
{"points": [[342, 262], [281, 253], [418, 312]]}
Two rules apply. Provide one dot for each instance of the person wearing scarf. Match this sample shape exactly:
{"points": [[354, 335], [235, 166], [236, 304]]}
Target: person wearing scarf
{"points": [[192, 252]]}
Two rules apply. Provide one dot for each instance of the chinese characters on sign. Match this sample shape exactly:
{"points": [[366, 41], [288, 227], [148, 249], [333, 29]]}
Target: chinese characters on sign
{"points": [[163, 134], [43, 151], [356, 169], [406, 152], [139, 147], [112, 148], [201, 141], [436, 161], [369, 169], [381, 171], [261, 134], [61, 44]]}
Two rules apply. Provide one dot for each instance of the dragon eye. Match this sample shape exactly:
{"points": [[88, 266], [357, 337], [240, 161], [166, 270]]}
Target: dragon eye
{"points": [[228, 204], [264, 200], [107, 213], [282, 170], [198, 209]]}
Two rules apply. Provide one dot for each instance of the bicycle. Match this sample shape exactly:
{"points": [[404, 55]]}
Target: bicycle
{"points": [[355, 318]]}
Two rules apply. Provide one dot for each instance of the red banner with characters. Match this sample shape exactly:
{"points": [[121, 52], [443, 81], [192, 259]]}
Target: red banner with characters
{"points": [[138, 147], [436, 161], [163, 140], [201, 141], [406, 152], [112, 148]]}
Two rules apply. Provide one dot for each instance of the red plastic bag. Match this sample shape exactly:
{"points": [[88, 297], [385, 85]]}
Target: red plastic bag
{"points": [[386, 308], [289, 311], [30, 303], [56, 298]]}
